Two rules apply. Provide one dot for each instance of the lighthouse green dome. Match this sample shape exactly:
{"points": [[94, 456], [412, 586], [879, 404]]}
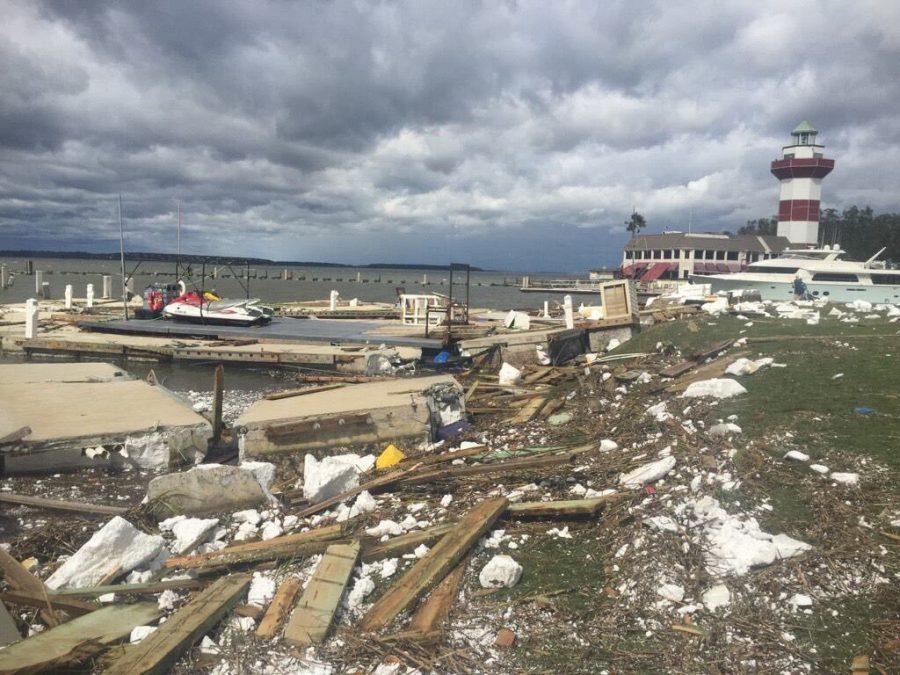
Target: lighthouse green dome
{"points": [[804, 128]]}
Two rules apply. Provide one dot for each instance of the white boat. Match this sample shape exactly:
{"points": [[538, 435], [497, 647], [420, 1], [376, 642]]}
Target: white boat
{"points": [[823, 272], [194, 308]]}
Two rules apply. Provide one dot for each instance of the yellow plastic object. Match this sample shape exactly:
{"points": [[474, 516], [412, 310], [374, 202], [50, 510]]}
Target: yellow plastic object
{"points": [[391, 455]]}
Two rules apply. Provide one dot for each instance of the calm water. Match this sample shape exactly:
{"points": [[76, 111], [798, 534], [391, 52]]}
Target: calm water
{"points": [[487, 288]]}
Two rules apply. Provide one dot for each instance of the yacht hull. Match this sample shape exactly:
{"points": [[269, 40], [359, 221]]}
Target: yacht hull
{"points": [[784, 290]]}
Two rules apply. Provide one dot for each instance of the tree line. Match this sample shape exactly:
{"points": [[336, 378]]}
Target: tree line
{"points": [[859, 231]]}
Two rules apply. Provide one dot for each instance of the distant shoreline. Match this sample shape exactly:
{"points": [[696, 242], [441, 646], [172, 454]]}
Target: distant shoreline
{"points": [[216, 260]]}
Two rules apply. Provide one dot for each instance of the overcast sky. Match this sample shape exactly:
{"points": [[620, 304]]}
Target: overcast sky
{"points": [[514, 135]]}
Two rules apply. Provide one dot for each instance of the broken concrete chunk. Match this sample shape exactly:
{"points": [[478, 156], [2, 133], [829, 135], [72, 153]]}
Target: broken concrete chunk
{"points": [[206, 488], [714, 388], [647, 473], [819, 468], [117, 546], [509, 375], [797, 456], [500, 572], [671, 592], [724, 429], [329, 477], [517, 320]]}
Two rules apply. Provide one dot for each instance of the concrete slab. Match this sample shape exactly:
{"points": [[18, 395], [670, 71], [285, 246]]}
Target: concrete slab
{"points": [[71, 406], [363, 413]]}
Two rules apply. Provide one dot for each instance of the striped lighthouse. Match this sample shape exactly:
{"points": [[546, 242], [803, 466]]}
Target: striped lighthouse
{"points": [[800, 171]]}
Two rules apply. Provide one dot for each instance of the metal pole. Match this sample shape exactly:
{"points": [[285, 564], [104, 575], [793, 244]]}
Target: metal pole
{"points": [[122, 259], [218, 390]]}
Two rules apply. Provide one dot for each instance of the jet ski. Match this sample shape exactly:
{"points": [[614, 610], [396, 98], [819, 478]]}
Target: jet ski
{"points": [[208, 308]]}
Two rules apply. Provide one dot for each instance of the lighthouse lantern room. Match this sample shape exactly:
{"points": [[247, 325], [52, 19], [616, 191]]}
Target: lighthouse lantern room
{"points": [[800, 171]]}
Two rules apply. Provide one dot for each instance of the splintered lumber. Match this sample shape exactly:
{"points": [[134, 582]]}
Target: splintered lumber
{"points": [[61, 505], [508, 467], [429, 617], [372, 485], [9, 632], [290, 393], [68, 605], [677, 369], [278, 608], [130, 589], [435, 565], [20, 579], [287, 546], [77, 640], [568, 507], [529, 411], [444, 457], [312, 617], [158, 651], [405, 542], [712, 349]]}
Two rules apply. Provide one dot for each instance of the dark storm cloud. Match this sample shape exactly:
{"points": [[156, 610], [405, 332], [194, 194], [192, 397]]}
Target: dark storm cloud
{"points": [[329, 129]]}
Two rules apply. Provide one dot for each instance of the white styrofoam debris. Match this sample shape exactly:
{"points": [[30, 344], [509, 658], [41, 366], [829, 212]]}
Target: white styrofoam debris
{"points": [[608, 445], [262, 590], [662, 523], [659, 412], [190, 532], [264, 473], [672, 592], [385, 527], [734, 545], [209, 646], [613, 343], [844, 478], [421, 551], [715, 307], [138, 633], [647, 473], [716, 596], [245, 531], [509, 375], [388, 567], [244, 623], [724, 429], [329, 477], [118, 545], [562, 533], [270, 530], [517, 320], [357, 595], [148, 452], [797, 456], [859, 306], [500, 571], [446, 500], [800, 600], [819, 468], [715, 388], [251, 516], [167, 600], [364, 503]]}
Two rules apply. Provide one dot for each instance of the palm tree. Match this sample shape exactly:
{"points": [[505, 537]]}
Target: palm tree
{"points": [[635, 224]]}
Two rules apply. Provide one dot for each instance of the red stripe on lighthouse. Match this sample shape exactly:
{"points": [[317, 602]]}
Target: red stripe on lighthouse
{"points": [[798, 209]]}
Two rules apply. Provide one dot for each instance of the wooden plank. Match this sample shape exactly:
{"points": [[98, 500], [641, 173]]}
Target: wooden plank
{"points": [[20, 579], [278, 608], [61, 505], [435, 565], [68, 605], [77, 640], [287, 546], [290, 393], [529, 411], [405, 542], [430, 616], [312, 617], [131, 589], [444, 457], [677, 369], [568, 507], [712, 350], [9, 632], [158, 651], [508, 467]]}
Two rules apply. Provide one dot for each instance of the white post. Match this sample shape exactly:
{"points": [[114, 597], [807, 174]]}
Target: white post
{"points": [[546, 309], [4, 277], [45, 290], [424, 279], [89, 294], [68, 296], [107, 287], [31, 318], [332, 305], [359, 277], [570, 316], [38, 281]]}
